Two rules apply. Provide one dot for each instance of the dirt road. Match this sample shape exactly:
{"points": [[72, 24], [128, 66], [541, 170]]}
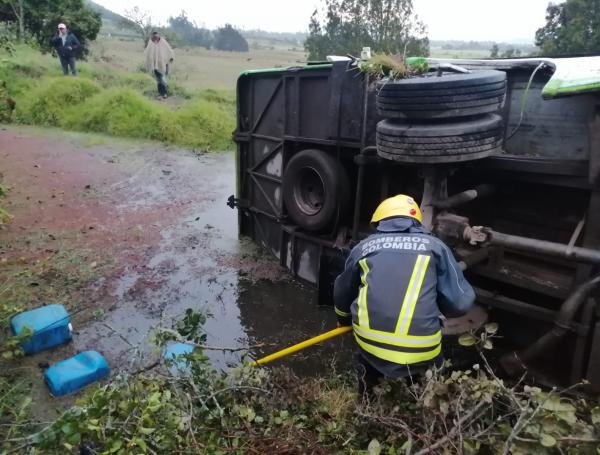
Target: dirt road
{"points": [[151, 228]]}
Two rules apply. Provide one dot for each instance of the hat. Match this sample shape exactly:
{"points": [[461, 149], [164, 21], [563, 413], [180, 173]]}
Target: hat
{"points": [[62, 26]]}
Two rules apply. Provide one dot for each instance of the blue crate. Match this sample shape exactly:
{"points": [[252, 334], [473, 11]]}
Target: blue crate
{"points": [[75, 373], [50, 326]]}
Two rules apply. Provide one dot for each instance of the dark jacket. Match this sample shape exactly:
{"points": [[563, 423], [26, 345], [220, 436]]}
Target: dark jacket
{"points": [[71, 47], [394, 286]]}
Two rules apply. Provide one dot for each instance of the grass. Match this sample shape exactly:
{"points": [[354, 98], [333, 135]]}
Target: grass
{"points": [[438, 52], [108, 100], [197, 68]]}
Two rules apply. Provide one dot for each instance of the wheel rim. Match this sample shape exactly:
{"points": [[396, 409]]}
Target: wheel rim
{"points": [[309, 191]]}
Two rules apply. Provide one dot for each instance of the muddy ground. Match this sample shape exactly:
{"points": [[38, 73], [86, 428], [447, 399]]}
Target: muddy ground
{"points": [[128, 236]]}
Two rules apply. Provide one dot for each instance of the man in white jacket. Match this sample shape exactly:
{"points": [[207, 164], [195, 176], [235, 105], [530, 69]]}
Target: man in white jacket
{"points": [[158, 57]]}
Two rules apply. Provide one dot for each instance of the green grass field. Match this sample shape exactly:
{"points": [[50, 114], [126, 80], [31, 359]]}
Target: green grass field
{"points": [[196, 68], [438, 52]]}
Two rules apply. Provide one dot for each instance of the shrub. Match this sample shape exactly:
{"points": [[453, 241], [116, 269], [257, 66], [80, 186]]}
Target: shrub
{"points": [[46, 104], [118, 112], [204, 124], [256, 410]]}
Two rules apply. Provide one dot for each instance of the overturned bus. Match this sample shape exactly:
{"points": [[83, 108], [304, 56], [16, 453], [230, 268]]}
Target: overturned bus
{"points": [[503, 156]]}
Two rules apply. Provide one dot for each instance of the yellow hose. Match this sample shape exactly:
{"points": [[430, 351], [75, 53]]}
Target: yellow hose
{"points": [[305, 344]]}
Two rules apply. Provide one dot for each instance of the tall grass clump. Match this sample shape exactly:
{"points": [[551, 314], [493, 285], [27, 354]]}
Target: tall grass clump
{"points": [[47, 103], [123, 112], [117, 112], [204, 124]]}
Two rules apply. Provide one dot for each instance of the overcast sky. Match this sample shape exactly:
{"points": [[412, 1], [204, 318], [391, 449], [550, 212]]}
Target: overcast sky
{"points": [[494, 20]]}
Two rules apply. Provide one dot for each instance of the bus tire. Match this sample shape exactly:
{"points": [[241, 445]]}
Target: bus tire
{"points": [[444, 97], [447, 142], [316, 190]]}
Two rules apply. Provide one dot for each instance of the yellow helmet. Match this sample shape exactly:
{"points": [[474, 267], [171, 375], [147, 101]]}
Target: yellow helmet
{"points": [[400, 205]]}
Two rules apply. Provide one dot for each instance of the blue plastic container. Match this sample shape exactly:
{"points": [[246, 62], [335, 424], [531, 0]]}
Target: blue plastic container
{"points": [[50, 325], [75, 373], [172, 352]]}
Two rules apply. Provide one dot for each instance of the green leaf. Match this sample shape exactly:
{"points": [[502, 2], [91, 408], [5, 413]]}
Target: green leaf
{"points": [[374, 447], [116, 445], [68, 428], [467, 340], [141, 444], [491, 328], [567, 416], [555, 404], [547, 441], [407, 446], [147, 430], [154, 407], [8, 355], [488, 345], [74, 439], [596, 415]]}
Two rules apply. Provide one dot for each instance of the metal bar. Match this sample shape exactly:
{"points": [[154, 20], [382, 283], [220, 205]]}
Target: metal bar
{"points": [[464, 197], [316, 141], [267, 177], [266, 157], [579, 353], [514, 306], [267, 106], [361, 168], [515, 363], [266, 137], [256, 211], [267, 198], [558, 250]]}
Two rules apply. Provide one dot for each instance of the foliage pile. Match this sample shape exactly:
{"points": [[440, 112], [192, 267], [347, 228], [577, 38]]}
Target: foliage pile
{"points": [[255, 410], [104, 100], [387, 26], [394, 67]]}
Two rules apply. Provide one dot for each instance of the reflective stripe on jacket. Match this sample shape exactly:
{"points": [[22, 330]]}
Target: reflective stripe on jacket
{"points": [[394, 286]]}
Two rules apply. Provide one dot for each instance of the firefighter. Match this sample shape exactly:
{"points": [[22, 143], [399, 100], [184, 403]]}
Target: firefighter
{"points": [[394, 287]]}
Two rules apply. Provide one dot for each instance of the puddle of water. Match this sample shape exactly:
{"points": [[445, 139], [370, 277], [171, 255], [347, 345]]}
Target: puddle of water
{"points": [[201, 264]]}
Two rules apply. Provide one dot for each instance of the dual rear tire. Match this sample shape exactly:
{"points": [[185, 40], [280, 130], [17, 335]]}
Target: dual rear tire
{"points": [[441, 119]]}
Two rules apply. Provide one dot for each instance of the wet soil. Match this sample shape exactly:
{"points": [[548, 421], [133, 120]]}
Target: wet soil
{"points": [[153, 223]]}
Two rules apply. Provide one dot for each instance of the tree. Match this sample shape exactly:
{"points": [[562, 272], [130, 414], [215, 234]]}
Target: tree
{"points": [[572, 27], [139, 21], [511, 52], [189, 33], [388, 26], [228, 38], [17, 8], [494, 51], [39, 18]]}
